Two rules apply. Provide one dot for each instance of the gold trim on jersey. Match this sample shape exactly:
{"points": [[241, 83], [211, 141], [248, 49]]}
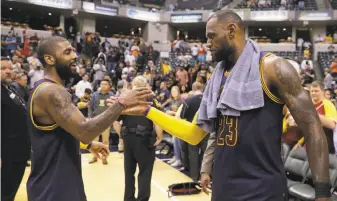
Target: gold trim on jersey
{"points": [[46, 128], [264, 85]]}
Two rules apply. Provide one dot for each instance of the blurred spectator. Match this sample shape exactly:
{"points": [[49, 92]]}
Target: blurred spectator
{"points": [[84, 101], [33, 42], [20, 86], [82, 86], [100, 70], [35, 74], [182, 76]]}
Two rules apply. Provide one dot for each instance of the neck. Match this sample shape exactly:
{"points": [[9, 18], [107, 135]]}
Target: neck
{"points": [[233, 58], [315, 102], [52, 75]]}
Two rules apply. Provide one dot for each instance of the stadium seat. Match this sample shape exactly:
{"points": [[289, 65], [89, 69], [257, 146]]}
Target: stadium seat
{"points": [[307, 192], [285, 149], [296, 164]]}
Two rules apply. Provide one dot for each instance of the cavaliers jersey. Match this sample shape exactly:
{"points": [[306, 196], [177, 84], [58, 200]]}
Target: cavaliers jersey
{"points": [[247, 159], [56, 161]]}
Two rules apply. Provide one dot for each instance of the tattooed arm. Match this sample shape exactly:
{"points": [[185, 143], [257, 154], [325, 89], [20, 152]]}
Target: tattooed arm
{"points": [[280, 74], [58, 104]]}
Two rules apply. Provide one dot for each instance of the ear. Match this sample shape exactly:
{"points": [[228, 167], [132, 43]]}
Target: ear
{"points": [[50, 60], [231, 31]]}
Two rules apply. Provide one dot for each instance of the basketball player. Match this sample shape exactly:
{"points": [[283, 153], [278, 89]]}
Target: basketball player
{"points": [[57, 126], [248, 167]]}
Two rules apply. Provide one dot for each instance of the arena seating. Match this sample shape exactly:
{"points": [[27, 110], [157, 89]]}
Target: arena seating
{"points": [[275, 5], [297, 166], [325, 59], [288, 54], [306, 191], [197, 4], [334, 4], [285, 149]]}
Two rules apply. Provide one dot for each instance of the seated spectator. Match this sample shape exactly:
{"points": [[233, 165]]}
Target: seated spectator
{"points": [[308, 75], [181, 76], [334, 68], [84, 101], [328, 39], [319, 39], [166, 68], [305, 63], [163, 94], [327, 114]]}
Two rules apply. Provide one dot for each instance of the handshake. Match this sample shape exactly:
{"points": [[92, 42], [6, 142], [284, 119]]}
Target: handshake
{"points": [[135, 101]]}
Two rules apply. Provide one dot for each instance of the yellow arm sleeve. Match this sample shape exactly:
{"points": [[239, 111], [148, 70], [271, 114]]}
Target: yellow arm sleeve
{"points": [[182, 129], [284, 125], [83, 146], [301, 141]]}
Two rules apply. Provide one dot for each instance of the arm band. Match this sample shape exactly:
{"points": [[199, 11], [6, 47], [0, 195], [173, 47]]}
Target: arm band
{"points": [[182, 129], [85, 146], [322, 190]]}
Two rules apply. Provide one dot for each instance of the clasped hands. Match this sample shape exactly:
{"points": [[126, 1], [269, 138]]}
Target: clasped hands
{"points": [[135, 101]]}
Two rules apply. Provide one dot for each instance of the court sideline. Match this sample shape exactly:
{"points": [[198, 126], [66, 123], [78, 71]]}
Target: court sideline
{"points": [[106, 183]]}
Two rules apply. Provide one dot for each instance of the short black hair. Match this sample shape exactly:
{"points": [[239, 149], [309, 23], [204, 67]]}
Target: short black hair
{"points": [[106, 80], [87, 90], [228, 16], [47, 46]]}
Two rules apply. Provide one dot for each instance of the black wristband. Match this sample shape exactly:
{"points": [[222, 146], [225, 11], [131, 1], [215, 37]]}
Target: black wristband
{"points": [[322, 190], [89, 146]]}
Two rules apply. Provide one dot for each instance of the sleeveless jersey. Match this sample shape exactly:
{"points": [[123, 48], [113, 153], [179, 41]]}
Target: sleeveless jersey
{"points": [[247, 160], [56, 161]]}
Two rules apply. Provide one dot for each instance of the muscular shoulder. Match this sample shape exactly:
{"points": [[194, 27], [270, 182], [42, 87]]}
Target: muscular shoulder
{"points": [[279, 71], [51, 94]]}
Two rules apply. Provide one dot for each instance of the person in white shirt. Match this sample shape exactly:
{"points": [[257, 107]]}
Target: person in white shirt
{"points": [[305, 63], [300, 42], [195, 51], [35, 74], [100, 70], [129, 57], [127, 69], [82, 85]]}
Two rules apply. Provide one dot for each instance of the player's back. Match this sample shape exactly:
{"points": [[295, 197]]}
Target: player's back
{"points": [[247, 163], [56, 162]]}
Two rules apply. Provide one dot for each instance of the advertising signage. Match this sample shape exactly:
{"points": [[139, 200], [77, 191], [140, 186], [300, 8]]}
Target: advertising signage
{"points": [[186, 18], [143, 15], [314, 15], [104, 9], [65, 4], [269, 15]]}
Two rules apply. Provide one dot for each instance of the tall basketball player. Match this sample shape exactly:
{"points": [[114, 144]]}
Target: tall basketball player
{"points": [[247, 163], [57, 126]]}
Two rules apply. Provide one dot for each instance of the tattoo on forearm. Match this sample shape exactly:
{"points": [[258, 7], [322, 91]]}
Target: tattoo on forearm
{"points": [[68, 114], [94, 127]]}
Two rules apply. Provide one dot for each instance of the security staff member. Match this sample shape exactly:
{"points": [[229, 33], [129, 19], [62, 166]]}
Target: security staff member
{"points": [[14, 135], [139, 148]]}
